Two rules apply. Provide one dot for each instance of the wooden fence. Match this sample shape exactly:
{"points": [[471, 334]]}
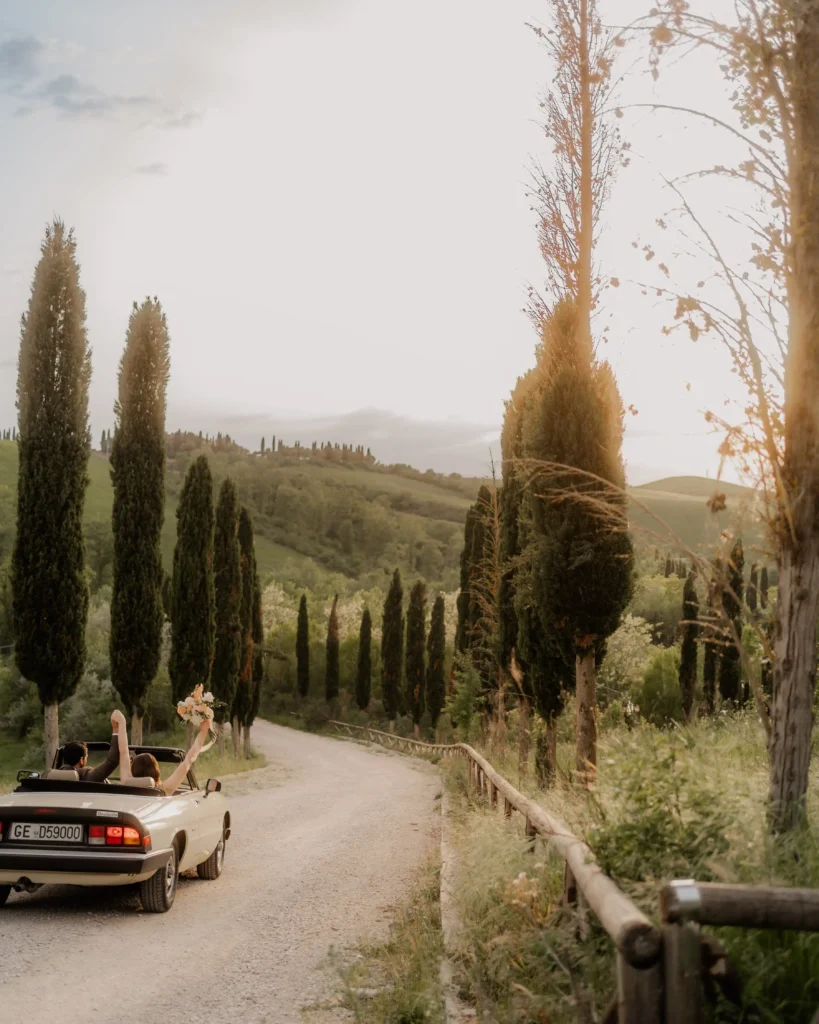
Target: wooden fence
{"points": [[661, 971]]}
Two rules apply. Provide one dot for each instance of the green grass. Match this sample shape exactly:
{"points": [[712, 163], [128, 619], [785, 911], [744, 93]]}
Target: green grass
{"points": [[11, 761], [667, 804]]}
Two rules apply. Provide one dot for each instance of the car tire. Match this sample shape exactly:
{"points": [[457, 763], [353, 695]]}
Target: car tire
{"points": [[211, 868], [5, 890], [158, 892]]}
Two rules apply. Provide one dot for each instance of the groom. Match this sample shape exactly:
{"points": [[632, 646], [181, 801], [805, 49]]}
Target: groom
{"points": [[75, 755]]}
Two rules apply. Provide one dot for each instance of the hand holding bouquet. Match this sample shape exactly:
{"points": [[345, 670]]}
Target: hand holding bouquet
{"points": [[199, 707]]}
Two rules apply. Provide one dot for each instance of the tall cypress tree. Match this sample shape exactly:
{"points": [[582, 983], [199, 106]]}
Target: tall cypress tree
{"points": [[228, 585], [753, 590], [138, 477], [462, 632], [730, 669], [331, 671], [581, 556], [50, 593], [416, 645], [363, 679], [436, 657], [303, 649], [763, 587], [392, 644], [258, 659], [712, 649], [192, 604], [244, 687], [688, 655]]}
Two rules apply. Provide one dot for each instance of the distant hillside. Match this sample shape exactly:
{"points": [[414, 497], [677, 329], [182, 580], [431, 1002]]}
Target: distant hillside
{"points": [[313, 518], [679, 504]]}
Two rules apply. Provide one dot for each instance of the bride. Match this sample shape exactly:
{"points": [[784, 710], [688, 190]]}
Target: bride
{"points": [[146, 766]]}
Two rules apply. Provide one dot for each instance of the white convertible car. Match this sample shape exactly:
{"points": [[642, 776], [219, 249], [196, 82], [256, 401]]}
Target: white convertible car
{"points": [[57, 830]]}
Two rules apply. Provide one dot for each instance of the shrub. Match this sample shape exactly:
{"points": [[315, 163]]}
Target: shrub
{"points": [[628, 654], [663, 820], [659, 697]]}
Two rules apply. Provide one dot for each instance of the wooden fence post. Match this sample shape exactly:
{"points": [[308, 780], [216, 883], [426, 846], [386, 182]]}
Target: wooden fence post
{"points": [[507, 808], [639, 994], [493, 795], [531, 834], [682, 974]]}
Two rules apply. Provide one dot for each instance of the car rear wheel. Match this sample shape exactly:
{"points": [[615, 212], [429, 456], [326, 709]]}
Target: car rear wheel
{"points": [[158, 892], [212, 867], [4, 893]]}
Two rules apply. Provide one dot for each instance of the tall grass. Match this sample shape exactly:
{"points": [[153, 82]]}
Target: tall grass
{"points": [[689, 802]]}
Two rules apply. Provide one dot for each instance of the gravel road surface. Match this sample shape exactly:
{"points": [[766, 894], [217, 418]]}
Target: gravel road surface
{"points": [[325, 843]]}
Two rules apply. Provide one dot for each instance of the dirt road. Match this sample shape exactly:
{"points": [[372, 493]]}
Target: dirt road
{"points": [[325, 842]]}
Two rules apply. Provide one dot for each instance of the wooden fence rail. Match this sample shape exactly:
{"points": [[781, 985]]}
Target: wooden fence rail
{"points": [[659, 970]]}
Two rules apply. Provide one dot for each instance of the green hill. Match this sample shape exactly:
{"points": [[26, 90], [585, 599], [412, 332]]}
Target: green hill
{"points": [[313, 518]]}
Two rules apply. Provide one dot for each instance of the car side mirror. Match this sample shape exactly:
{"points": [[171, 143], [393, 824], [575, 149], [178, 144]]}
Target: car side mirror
{"points": [[213, 786], [24, 773]]}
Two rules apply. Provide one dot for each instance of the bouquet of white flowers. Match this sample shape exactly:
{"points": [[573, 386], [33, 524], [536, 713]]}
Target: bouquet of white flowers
{"points": [[199, 707]]}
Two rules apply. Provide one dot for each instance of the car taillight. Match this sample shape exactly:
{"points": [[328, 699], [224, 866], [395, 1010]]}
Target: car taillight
{"points": [[96, 835], [113, 835], [130, 837]]}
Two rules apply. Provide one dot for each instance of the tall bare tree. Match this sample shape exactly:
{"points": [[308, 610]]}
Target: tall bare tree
{"points": [[770, 54]]}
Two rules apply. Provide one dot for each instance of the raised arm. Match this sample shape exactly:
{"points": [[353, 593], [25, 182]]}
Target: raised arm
{"points": [[173, 781], [121, 729], [101, 772]]}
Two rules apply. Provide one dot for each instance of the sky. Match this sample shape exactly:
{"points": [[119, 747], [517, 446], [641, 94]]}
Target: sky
{"points": [[329, 198]]}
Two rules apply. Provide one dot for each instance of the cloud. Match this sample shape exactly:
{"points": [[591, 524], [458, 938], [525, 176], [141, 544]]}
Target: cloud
{"points": [[72, 97], [19, 58], [173, 119], [156, 169]]}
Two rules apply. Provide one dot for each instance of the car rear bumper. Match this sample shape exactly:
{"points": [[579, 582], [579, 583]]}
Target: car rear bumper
{"points": [[26, 862]]}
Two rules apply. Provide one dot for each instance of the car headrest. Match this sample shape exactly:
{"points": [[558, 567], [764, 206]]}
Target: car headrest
{"points": [[141, 783], [63, 775]]}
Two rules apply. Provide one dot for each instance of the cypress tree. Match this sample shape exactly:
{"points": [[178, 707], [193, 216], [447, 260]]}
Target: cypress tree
{"points": [[392, 643], [228, 586], [667, 567], [138, 477], [363, 680], [258, 659], [763, 587], [192, 604], [50, 593], [462, 633], [436, 658], [688, 654], [303, 649], [753, 590], [581, 557], [331, 673], [244, 687], [730, 669], [416, 645]]}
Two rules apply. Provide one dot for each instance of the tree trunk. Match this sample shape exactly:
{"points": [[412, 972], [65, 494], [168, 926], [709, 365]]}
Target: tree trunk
{"points": [[51, 730], [248, 749], [220, 739], [795, 661], [190, 735], [236, 736], [136, 729], [794, 679], [416, 730], [586, 691], [524, 737], [546, 754], [392, 725]]}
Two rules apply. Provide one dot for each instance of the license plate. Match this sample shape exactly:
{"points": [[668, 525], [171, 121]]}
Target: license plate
{"points": [[40, 832]]}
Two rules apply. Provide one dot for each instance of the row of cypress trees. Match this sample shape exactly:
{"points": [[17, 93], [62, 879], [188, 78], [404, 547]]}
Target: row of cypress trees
{"points": [[420, 665], [215, 598]]}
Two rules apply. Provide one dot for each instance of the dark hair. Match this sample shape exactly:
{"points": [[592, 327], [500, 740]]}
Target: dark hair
{"points": [[146, 766], [73, 753]]}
